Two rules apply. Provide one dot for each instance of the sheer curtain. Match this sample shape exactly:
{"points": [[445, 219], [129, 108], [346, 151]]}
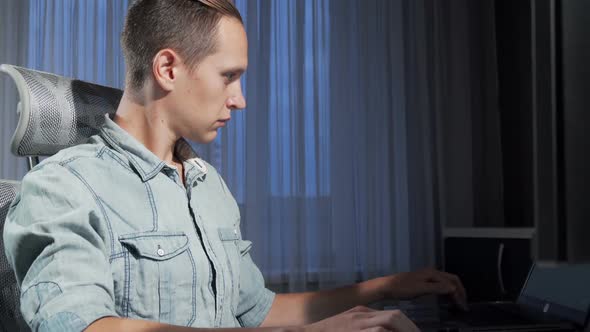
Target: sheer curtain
{"points": [[370, 125], [343, 163], [333, 162], [77, 39], [310, 159], [13, 47]]}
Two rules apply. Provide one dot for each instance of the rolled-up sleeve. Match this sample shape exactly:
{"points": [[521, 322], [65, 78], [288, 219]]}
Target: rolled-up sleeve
{"points": [[55, 239], [255, 298]]}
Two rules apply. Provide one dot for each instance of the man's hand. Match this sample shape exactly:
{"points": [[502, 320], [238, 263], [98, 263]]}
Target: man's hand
{"points": [[366, 320], [409, 285], [297, 309]]}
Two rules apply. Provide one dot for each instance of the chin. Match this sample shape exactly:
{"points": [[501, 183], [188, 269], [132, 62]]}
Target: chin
{"points": [[204, 139]]}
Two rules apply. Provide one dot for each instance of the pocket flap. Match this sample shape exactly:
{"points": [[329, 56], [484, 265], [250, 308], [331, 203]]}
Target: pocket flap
{"points": [[156, 245], [228, 234]]}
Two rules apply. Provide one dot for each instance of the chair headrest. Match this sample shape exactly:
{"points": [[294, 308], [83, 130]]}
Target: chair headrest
{"points": [[56, 112]]}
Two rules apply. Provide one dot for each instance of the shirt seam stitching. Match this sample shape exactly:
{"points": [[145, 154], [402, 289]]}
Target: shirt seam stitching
{"points": [[97, 201]]}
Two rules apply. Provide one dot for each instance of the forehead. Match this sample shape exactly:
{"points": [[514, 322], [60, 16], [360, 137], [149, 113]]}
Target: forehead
{"points": [[231, 44]]}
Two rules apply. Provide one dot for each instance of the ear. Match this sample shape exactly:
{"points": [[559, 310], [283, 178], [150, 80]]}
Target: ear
{"points": [[165, 68]]}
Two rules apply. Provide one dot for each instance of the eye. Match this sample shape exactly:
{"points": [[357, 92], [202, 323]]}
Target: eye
{"points": [[230, 76]]}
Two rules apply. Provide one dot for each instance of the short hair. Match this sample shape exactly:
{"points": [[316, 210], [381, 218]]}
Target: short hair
{"points": [[189, 27]]}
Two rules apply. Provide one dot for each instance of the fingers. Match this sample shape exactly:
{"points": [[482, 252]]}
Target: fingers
{"points": [[376, 329], [365, 319], [460, 289], [447, 283], [390, 320], [361, 308]]}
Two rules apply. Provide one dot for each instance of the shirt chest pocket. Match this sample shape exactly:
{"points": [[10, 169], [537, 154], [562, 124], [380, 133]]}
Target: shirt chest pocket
{"points": [[160, 277], [230, 239]]}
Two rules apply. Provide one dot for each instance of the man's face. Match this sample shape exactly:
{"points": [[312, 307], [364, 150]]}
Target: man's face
{"points": [[204, 97]]}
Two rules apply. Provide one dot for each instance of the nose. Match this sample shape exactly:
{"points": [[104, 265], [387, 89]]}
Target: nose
{"points": [[237, 100]]}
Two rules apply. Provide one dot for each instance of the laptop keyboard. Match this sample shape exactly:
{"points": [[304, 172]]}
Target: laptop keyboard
{"points": [[486, 314], [480, 317]]}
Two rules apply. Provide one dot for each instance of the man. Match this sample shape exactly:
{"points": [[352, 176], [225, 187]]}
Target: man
{"points": [[133, 232]]}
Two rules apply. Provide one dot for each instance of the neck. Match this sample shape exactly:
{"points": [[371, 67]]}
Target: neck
{"points": [[145, 121]]}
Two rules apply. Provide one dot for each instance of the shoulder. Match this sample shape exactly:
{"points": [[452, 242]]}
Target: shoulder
{"points": [[52, 189], [58, 172], [91, 150]]}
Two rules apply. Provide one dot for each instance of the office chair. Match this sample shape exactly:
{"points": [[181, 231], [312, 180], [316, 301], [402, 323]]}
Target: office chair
{"points": [[55, 112], [10, 316]]}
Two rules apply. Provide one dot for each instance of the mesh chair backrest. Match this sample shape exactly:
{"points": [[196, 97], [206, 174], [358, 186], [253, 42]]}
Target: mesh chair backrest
{"points": [[56, 112], [10, 315]]}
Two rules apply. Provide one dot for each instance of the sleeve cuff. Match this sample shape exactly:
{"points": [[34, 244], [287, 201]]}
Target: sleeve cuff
{"points": [[255, 316], [68, 321], [73, 310]]}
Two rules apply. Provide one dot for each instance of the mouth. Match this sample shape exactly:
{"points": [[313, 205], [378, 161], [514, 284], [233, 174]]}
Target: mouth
{"points": [[222, 122]]}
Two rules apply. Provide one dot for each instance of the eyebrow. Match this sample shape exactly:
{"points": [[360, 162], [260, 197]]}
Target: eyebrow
{"points": [[237, 70]]}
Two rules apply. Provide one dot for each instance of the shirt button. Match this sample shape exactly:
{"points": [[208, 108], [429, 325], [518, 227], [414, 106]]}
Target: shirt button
{"points": [[160, 252]]}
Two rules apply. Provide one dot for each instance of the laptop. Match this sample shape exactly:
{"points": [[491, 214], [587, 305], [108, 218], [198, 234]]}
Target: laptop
{"points": [[553, 298]]}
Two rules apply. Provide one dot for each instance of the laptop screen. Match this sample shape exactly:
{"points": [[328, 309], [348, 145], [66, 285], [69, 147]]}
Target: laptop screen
{"points": [[561, 290]]}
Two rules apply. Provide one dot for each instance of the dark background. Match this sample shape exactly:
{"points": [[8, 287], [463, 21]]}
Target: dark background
{"points": [[543, 61]]}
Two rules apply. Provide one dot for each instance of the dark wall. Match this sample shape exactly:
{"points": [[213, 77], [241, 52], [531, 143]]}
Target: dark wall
{"points": [[543, 52], [574, 58], [513, 35]]}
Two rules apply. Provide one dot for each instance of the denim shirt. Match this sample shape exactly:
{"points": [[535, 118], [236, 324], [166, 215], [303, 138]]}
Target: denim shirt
{"points": [[108, 229]]}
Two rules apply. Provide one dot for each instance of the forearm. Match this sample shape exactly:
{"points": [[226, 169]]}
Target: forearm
{"points": [[115, 324], [304, 308]]}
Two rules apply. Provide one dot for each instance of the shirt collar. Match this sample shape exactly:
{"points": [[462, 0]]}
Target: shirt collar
{"points": [[194, 166], [146, 163]]}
